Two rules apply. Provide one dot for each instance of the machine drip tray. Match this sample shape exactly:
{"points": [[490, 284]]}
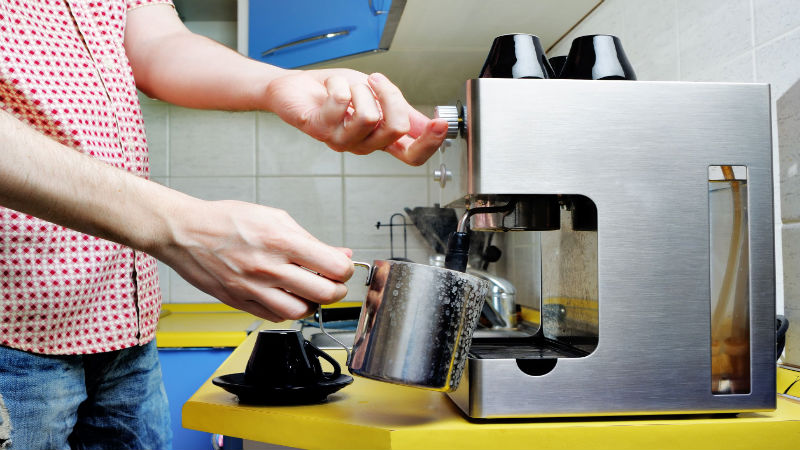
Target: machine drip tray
{"points": [[533, 347]]}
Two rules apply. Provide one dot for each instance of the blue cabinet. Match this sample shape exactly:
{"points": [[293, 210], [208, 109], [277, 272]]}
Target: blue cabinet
{"points": [[184, 370], [297, 33]]}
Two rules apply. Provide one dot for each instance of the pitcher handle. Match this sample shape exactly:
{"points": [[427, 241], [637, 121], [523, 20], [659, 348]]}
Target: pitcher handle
{"points": [[370, 270]]}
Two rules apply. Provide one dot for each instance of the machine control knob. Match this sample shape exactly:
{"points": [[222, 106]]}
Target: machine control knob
{"points": [[442, 175], [453, 117]]}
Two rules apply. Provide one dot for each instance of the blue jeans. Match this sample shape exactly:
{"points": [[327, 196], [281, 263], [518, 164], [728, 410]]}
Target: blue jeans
{"points": [[113, 400]]}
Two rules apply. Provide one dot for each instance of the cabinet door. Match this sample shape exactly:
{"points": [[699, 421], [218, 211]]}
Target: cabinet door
{"points": [[301, 32]]}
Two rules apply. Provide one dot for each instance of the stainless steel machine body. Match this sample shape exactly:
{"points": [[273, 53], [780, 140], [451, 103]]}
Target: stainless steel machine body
{"points": [[642, 153]]}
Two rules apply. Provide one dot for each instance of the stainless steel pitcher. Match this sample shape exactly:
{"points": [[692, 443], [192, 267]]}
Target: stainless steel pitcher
{"points": [[416, 324]]}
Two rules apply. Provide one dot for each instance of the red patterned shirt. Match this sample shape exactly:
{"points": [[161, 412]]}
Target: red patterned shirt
{"points": [[64, 72]]}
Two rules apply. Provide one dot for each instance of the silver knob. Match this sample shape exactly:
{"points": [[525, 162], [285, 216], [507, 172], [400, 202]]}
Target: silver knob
{"points": [[451, 114], [442, 175]]}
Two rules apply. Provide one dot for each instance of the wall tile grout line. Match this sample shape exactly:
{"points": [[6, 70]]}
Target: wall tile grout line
{"points": [[753, 38]]}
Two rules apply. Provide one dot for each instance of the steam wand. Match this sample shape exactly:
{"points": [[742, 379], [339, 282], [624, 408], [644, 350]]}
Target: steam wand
{"points": [[458, 252], [458, 243]]}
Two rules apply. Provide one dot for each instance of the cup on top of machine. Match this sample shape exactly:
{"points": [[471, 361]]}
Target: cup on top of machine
{"points": [[517, 56], [597, 57]]}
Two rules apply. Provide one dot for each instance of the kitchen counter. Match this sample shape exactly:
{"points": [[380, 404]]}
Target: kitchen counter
{"points": [[372, 414], [203, 325]]}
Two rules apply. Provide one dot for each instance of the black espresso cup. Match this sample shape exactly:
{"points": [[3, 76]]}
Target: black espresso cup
{"points": [[516, 56], [597, 57], [283, 359]]}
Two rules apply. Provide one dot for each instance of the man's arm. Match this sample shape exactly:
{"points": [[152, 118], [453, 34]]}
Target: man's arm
{"points": [[248, 256], [346, 109]]}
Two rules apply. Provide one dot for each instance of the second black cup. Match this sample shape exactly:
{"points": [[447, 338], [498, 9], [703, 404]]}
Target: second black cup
{"points": [[283, 359], [597, 57], [516, 56]]}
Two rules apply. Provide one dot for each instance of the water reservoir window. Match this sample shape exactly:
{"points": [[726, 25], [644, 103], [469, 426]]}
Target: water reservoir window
{"points": [[730, 284]]}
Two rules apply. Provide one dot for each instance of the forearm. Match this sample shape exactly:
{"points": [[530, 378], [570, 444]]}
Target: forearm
{"points": [[43, 178], [180, 67]]}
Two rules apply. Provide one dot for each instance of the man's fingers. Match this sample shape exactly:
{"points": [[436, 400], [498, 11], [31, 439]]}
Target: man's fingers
{"points": [[284, 304], [419, 122], [310, 286], [334, 110], [257, 309], [396, 112], [364, 118], [321, 258], [416, 151]]}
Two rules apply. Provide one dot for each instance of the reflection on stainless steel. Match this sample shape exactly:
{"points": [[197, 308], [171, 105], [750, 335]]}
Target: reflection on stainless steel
{"points": [[416, 325], [569, 284], [530, 212], [502, 297], [637, 339]]}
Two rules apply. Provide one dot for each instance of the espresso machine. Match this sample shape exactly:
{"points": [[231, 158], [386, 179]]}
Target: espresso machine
{"points": [[645, 209]]}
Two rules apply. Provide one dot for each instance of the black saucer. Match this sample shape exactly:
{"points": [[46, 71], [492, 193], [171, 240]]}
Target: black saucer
{"points": [[268, 395]]}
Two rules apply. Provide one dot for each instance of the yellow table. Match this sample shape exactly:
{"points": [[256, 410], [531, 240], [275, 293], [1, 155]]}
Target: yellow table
{"points": [[203, 325], [374, 415]]}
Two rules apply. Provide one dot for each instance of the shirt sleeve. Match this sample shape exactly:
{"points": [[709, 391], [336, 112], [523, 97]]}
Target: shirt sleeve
{"points": [[132, 4]]}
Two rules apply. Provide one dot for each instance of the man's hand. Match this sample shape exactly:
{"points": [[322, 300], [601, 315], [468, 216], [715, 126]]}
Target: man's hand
{"points": [[256, 259], [353, 112]]}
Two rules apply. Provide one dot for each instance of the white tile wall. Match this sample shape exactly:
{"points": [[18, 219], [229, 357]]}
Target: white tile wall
{"points": [[157, 124], [711, 33], [791, 265], [379, 163], [778, 62], [774, 18], [217, 188], [211, 143], [284, 150], [739, 69], [710, 40], [788, 116], [702, 40], [651, 45], [369, 200], [255, 157], [315, 203]]}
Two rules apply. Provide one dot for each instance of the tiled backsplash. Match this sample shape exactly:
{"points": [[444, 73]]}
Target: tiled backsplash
{"points": [[256, 157], [788, 118], [709, 40], [703, 40]]}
